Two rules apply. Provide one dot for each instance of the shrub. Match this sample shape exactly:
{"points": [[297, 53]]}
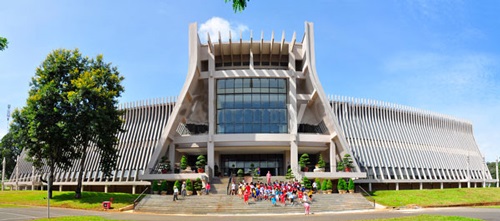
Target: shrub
{"points": [[306, 182], [329, 185], [164, 186], [318, 183], [155, 186], [184, 162], [289, 174], [347, 161], [350, 186], [304, 160], [323, 185], [198, 184], [201, 162], [321, 162], [341, 185], [178, 185], [189, 185], [340, 166]]}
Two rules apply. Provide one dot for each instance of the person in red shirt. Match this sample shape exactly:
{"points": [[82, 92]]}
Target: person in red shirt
{"points": [[245, 197], [300, 195]]}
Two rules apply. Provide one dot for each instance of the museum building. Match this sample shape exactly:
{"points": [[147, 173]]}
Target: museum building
{"points": [[259, 103]]}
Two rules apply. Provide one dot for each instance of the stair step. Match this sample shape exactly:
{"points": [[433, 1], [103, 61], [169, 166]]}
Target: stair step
{"points": [[224, 204]]}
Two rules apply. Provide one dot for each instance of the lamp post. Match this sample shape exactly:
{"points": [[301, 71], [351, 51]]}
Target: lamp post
{"points": [[3, 174], [496, 169]]}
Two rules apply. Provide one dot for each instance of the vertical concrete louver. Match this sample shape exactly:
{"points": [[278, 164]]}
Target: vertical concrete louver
{"points": [[143, 124], [399, 144]]}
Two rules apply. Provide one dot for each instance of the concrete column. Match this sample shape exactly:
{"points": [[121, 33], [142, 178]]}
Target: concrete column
{"points": [[475, 185], [441, 185], [133, 189], [333, 163], [370, 187], [211, 121], [106, 188], [397, 186], [171, 155], [60, 188], [460, 185], [210, 157], [421, 186], [294, 152], [286, 161]]}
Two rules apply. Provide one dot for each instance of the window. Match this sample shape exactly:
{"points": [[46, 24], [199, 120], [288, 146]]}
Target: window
{"points": [[252, 105]]}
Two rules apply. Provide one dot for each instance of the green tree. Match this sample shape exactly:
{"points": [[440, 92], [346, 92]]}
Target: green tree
{"points": [[238, 5], [9, 150], [94, 116], [304, 160], [3, 43], [72, 106], [491, 168]]}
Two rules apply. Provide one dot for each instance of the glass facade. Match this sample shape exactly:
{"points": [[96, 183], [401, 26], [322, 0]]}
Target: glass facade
{"points": [[252, 105]]}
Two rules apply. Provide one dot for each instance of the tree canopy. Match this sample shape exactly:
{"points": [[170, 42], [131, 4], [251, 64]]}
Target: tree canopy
{"points": [[3, 43], [238, 5], [72, 106]]}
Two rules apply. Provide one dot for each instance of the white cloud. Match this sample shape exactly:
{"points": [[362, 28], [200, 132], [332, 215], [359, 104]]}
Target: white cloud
{"points": [[215, 25]]}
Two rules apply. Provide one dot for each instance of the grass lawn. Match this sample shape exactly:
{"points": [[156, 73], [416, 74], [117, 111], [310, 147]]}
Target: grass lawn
{"points": [[89, 200], [437, 197], [69, 218], [427, 218]]}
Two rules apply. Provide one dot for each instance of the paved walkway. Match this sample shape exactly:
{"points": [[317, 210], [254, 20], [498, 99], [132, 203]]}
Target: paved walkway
{"points": [[12, 214]]}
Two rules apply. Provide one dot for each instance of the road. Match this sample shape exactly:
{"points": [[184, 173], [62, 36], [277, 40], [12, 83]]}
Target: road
{"points": [[29, 213]]}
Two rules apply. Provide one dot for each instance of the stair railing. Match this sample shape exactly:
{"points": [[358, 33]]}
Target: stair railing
{"points": [[229, 183], [366, 194], [136, 201]]}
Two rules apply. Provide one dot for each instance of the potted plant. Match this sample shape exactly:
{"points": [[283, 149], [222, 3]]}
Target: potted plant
{"points": [[318, 185], [178, 185], [165, 165], [155, 187], [240, 174], [320, 166], [184, 162], [340, 166], [189, 187], [200, 163], [163, 187], [342, 186], [198, 186], [324, 186], [307, 183], [304, 161], [347, 161], [289, 174], [329, 186], [350, 186]]}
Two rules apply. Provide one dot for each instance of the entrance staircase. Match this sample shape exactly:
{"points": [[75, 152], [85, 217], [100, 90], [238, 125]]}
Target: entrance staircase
{"points": [[226, 204]]}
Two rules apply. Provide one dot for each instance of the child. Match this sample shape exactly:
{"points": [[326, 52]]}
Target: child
{"points": [[245, 197], [307, 208], [273, 200]]}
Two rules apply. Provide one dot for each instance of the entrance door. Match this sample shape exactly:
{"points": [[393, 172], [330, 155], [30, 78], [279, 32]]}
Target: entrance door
{"points": [[231, 163]]}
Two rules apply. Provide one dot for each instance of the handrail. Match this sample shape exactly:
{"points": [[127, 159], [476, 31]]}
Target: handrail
{"points": [[366, 194], [137, 199], [229, 183]]}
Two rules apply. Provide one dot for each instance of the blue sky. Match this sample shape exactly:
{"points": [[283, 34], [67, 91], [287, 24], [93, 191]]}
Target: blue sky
{"points": [[441, 56]]}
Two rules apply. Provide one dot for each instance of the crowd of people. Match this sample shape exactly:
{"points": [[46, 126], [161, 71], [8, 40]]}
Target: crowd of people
{"points": [[278, 193]]}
